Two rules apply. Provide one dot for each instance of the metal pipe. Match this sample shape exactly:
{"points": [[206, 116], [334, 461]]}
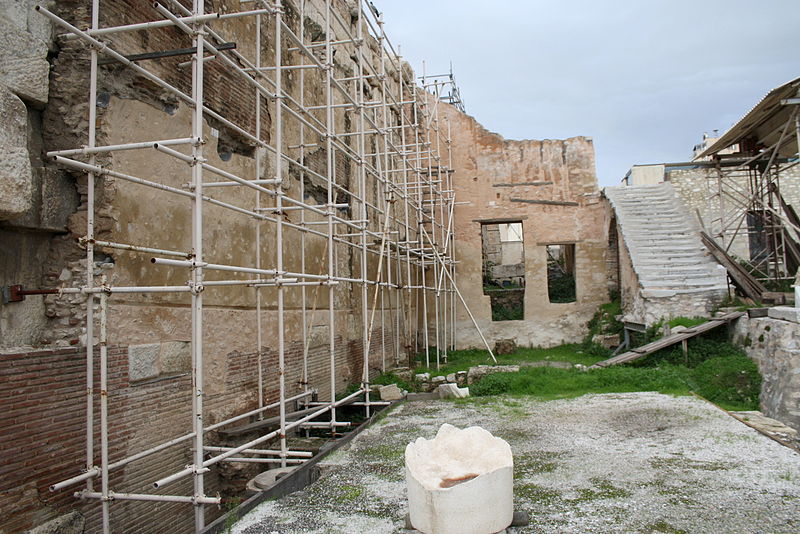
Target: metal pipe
{"points": [[104, 411], [198, 40]]}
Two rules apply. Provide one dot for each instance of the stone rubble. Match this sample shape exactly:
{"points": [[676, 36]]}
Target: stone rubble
{"points": [[452, 391], [391, 393], [476, 373]]}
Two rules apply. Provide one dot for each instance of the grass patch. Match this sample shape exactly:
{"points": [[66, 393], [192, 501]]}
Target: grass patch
{"points": [[548, 383], [732, 381], [462, 360], [713, 367], [683, 463], [533, 463], [384, 379], [687, 322], [349, 493], [384, 452]]}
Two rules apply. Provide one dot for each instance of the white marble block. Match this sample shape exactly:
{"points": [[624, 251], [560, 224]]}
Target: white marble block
{"points": [[460, 482]]}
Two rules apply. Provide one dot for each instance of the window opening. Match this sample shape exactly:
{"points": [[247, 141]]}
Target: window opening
{"points": [[561, 273], [504, 269]]}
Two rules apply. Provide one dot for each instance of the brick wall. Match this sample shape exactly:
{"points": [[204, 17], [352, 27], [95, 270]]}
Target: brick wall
{"points": [[42, 413]]}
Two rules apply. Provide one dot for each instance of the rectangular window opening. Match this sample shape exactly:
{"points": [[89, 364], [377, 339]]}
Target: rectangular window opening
{"points": [[561, 273], [504, 269]]}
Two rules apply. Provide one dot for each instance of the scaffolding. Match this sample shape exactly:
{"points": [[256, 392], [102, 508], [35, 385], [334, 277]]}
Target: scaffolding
{"points": [[380, 192], [754, 222]]}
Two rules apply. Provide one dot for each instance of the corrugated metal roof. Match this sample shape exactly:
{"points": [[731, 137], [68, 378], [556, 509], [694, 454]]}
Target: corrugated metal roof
{"points": [[760, 121]]}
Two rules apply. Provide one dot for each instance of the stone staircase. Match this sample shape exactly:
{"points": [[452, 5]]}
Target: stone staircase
{"points": [[664, 244]]}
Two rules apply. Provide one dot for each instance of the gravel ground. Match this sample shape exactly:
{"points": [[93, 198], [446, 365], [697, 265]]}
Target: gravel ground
{"points": [[633, 462]]}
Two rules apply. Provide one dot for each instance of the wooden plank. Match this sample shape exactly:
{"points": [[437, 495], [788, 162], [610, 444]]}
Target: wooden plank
{"points": [[743, 280], [664, 342]]}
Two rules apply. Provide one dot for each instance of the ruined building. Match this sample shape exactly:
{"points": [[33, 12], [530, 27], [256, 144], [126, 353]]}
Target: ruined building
{"points": [[222, 213], [220, 220]]}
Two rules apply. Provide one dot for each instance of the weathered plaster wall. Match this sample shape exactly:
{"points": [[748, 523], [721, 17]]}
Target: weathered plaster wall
{"points": [[551, 187], [774, 344]]}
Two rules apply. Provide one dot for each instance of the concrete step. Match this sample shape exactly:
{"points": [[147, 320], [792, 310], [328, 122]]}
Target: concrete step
{"points": [[672, 270], [659, 232], [682, 261], [654, 212], [654, 250], [676, 283]]}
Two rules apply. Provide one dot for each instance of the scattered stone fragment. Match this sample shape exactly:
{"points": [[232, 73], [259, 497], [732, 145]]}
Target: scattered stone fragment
{"points": [[521, 519], [71, 523], [451, 377], [422, 377], [608, 341], [452, 391], [436, 380], [267, 479], [390, 393], [768, 425], [422, 396], [505, 346], [461, 378], [476, 373], [547, 363]]}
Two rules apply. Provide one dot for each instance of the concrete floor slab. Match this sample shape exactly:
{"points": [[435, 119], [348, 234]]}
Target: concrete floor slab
{"points": [[633, 462]]}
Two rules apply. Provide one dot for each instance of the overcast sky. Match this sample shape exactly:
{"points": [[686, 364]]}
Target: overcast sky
{"points": [[644, 78]]}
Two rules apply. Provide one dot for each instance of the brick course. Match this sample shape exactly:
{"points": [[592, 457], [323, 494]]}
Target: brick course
{"points": [[42, 413]]}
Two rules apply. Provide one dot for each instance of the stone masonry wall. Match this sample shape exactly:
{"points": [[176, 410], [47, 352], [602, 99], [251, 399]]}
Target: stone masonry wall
{"points": [[35, 198], [550, 186], [774, 345]]}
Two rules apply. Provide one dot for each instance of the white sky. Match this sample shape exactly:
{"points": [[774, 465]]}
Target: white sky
{"points": [[644, 78]]}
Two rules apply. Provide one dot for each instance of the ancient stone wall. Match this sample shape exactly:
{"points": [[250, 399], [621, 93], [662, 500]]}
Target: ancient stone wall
{"points": [[774, 345], [549, 186], [35, 199], [649, 307]]}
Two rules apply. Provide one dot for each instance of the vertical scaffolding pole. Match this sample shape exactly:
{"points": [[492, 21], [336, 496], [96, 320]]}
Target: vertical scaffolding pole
{"points": [[362, 193], [330, 162], [259, 156], [197, 272], [90, 208], [279, 226], [106, 501]]}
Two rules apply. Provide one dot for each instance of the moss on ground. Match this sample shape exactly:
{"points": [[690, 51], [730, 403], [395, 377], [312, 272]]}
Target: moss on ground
{"points": [[662, 526], [527, 464], [602, 489]]}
